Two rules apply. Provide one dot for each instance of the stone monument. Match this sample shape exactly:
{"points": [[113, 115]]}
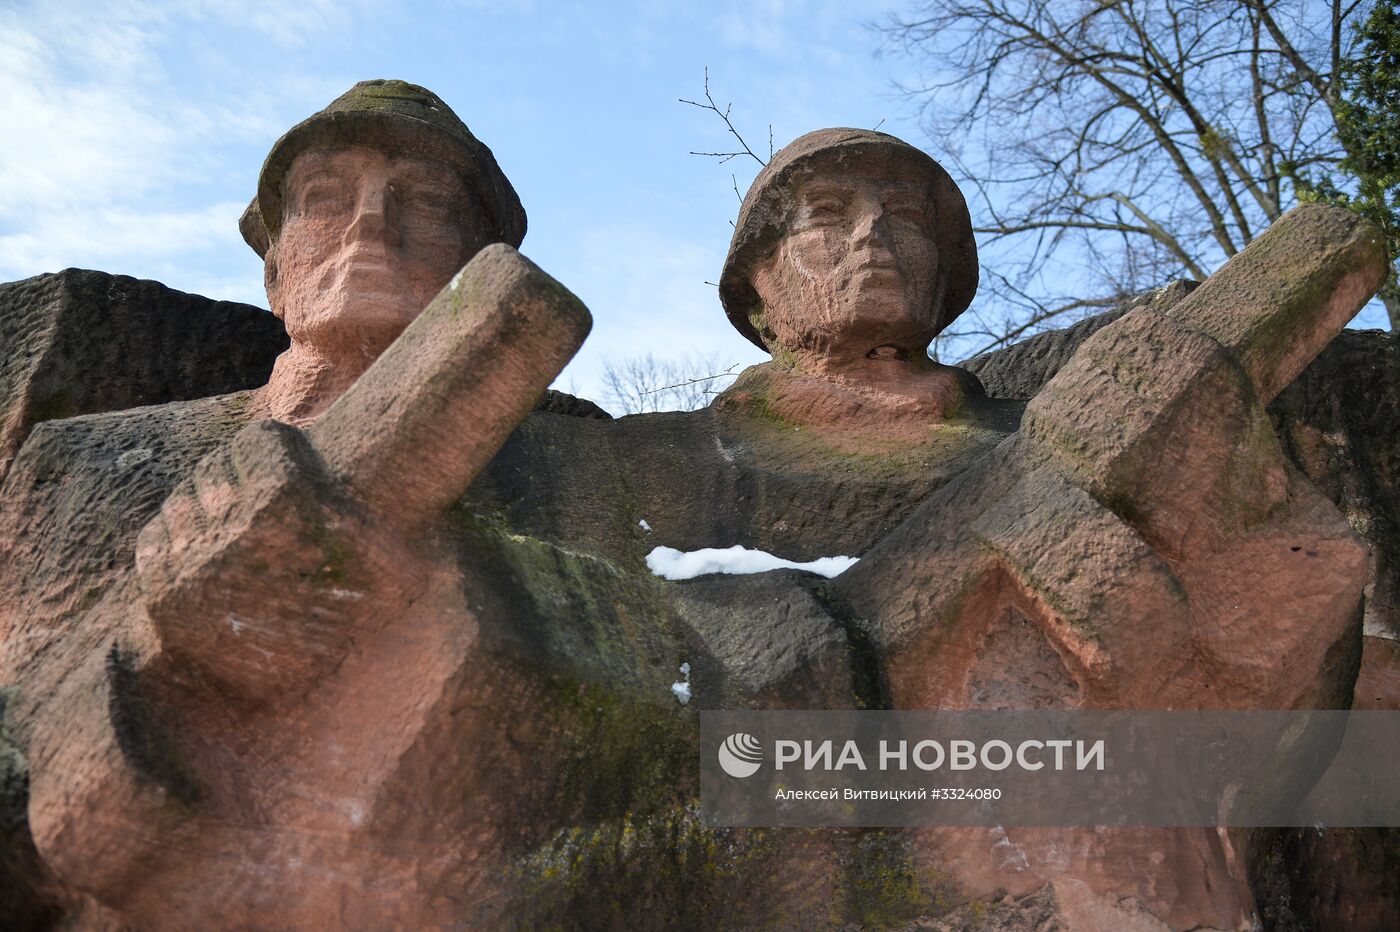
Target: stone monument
{"points": [[375, 645]]}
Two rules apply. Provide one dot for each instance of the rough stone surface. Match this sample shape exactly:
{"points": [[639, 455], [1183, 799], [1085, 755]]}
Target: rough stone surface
{"points": [[852, 251], [256, 576], [372, 235], [84, 342], [554, 402], [713, 477], [387, 114], [27, 899], [1038, 910], [1149, 449], [1020, 371], [1337, 424], [413, 431], [81, 342], [769, 211], [271, 675], [800, 659]]}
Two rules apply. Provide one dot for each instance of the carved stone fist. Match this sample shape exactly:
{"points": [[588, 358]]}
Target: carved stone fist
{"points": [[263, 563], [1141, 543]]}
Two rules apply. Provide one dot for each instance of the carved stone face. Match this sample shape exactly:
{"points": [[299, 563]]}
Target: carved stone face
{"points": [[856, 272], [367, 240]]}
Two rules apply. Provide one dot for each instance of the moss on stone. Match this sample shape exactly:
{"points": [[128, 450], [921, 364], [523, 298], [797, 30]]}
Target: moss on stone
{"points": [[623, 758], [883, 887], [579, 612], [52, 407], [632, 872], [632, 846], [336, 553]]}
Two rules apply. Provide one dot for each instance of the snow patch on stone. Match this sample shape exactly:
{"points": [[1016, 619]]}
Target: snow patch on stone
{"points": [[681, 688], [670, 563]]}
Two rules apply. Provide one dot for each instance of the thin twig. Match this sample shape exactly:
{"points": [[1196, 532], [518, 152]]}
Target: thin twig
{"points": [[724, 115], [706, 378]]}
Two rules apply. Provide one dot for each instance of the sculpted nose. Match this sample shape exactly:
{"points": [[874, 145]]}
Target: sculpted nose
{"points": [[374, 218], [869, 228]]}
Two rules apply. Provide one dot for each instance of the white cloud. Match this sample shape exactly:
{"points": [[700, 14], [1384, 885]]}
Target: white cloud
{"points": [[287, 24], [115, 159], [76, 131], [92, 114], [95, 237], [761, 27], [647, 294]]}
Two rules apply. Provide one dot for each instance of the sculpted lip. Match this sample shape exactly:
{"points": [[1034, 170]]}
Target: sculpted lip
{"points": [[367, 250], [873, 259], [360, 259], [877, 272]]}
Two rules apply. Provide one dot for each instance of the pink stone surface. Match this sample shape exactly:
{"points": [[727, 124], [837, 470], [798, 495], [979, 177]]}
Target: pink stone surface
{"points": [[300, 695]]}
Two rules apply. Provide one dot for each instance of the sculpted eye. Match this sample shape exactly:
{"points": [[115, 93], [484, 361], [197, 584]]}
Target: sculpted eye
{"points": [[321, 197], [825, 210], [423, 200], [425, 207], [912, 213]]}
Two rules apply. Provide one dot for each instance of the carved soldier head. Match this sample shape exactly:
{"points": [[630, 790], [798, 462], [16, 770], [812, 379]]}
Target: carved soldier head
{"points": [[850, 245], [365, 210]]}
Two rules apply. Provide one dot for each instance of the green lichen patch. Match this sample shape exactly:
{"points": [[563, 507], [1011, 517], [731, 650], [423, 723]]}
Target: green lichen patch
{"points": [[578, 613], [665, 870], [52, 406], [883, 886], [622, 757], [630, 847]]}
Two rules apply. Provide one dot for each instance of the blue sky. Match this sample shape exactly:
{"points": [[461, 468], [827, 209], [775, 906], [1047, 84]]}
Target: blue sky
{"points": [[134, 131]]}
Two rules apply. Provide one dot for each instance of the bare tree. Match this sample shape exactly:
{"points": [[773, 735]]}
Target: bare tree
{"points": [[644, 384], [1114, 145]]}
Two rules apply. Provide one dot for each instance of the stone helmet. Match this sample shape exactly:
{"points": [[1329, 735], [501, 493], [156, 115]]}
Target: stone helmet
{"points": [[381, 113], [765, 217]]}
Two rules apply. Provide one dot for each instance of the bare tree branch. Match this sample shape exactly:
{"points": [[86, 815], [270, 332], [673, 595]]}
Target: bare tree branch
{"points": [[729, 124], [1109, 146], [644, 384]]}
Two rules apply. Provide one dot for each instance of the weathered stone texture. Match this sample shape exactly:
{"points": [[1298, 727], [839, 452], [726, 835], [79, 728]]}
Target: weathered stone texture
{"points": [[227, 634], [1019, 371], [1339, 422], [81, 342], [563, 403]]}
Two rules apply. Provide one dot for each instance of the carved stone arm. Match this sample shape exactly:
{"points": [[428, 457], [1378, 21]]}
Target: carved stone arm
{"points": [[1142, 543], [259, 567], [1144, 523]]}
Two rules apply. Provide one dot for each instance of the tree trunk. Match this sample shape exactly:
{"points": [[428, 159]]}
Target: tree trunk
{"points": [[1390, 297]]}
